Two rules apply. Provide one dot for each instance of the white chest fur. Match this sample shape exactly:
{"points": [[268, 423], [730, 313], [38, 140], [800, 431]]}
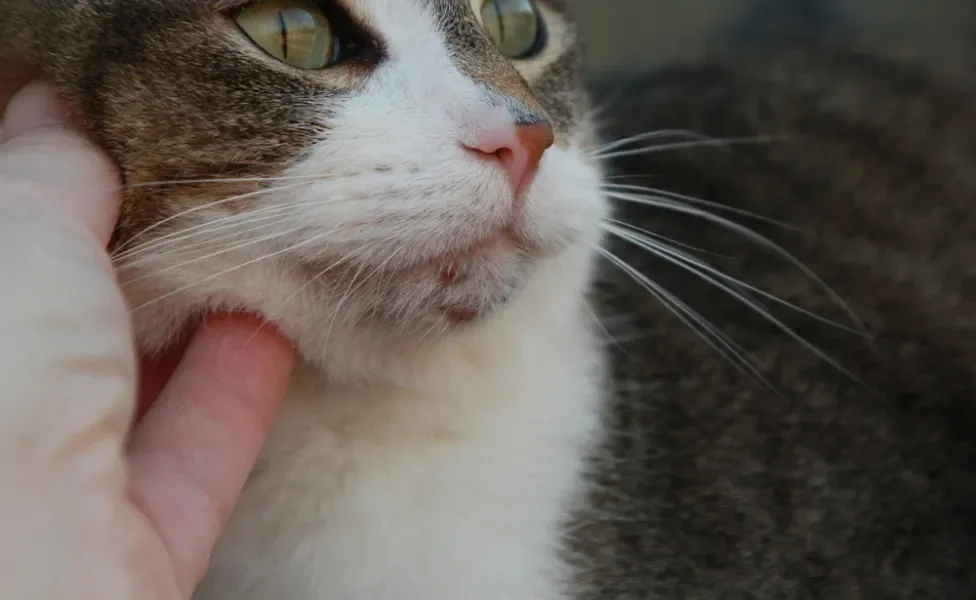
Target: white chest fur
{"points": [[453, 490]]}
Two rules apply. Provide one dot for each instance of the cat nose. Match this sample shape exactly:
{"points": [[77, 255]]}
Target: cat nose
{"points": [[517, 147]]}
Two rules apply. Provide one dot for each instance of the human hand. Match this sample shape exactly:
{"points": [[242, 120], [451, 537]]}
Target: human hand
{"points": [[91, 507]]}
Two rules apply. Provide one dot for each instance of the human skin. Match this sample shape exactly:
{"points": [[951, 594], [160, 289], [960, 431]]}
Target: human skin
{"points": [[99, 500]]}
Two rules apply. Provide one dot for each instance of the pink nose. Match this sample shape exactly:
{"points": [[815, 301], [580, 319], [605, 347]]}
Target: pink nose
{"points": [[518, 148]]}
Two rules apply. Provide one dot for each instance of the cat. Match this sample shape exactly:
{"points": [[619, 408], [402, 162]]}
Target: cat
{"points": [[830, 455], [490, 405], [406, 189]]}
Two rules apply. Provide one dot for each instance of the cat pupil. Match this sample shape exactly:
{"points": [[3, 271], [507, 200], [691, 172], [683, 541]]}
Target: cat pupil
{"points": [[284, 34]]}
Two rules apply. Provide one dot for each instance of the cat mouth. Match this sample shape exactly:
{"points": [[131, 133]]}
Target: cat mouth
{"points": [[448, 264], [451, 268], [454, 268], [461, 286]]}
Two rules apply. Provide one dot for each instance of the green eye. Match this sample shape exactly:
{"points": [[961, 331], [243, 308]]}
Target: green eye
{"points": [[296, 32], [514, 26]]}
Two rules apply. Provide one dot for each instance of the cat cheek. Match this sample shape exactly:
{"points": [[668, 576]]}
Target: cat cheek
{"points": [[565, 205]]}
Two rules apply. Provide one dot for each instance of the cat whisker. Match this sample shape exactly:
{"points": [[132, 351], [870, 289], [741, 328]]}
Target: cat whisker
{"points": [[342, 300], [291, 297], [429, 330], [654, 193], [709, 333], [649, 135], [670, 241], [636, 236], [599, 107], [221, 180], [216, 253], [706, 143], [212, 204], [751, 235], [312, 240], [353, 286], [599, 323], [320, 274], [241, 224], [210, 231], [733, 287]]}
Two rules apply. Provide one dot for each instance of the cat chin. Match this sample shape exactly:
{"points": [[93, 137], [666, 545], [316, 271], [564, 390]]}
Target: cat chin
{"points": [[408, 355], [382, 342]]}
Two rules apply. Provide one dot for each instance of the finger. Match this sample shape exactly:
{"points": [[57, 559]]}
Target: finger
{"points": [[48, 169], [35, 105], [155, 372], [191, 454], [60, 305]]}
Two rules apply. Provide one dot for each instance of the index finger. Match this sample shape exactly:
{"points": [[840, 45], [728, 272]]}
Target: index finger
{"points": [[193, 451]]}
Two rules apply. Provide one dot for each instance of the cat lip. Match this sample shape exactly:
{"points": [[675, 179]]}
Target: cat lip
{"points": [[500, 237], [447, 264], [449, 261]]}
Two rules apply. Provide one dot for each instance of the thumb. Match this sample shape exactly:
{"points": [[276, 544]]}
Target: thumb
{"points": [[67, 366], [64, 322], [49, 170]]}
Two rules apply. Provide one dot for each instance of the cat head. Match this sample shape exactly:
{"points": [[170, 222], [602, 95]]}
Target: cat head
{"points": [[383, 170]]}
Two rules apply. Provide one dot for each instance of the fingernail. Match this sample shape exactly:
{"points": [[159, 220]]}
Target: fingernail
{"points": [[36, 105]]}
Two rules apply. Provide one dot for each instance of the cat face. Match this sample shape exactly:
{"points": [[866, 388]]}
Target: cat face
{"points": [[409, 167]]}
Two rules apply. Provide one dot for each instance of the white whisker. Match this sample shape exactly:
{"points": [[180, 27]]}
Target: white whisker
{"points": [[240, 224], [653, 193], [184, 288], [207, 205], [649, 135], [224, 180], [752, 236], [670, 241], [707, 143], [216, 253], [709, 274], [596, 319], [601, 106], [690, 262], [206, 236], [719, 341], [291, 297], [353, 286]]}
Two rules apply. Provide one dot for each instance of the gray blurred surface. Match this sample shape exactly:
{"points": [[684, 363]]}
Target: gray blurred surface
{"points": [[631, 34]]}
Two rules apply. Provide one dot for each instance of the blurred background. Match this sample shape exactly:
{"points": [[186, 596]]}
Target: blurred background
{"points": [[622, 35]]}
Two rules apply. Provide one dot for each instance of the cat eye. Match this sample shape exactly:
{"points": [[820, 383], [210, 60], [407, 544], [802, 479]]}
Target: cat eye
{"points": [[514, 26], [296, 32]]}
